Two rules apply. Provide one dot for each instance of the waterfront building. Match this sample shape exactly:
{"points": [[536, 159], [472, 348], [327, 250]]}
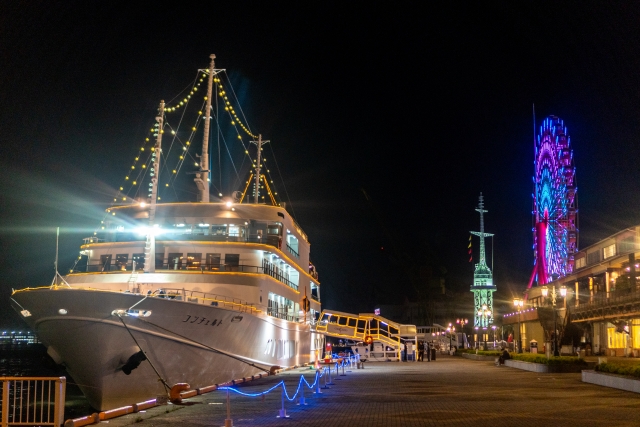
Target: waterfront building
{"points": [[602, 302]]}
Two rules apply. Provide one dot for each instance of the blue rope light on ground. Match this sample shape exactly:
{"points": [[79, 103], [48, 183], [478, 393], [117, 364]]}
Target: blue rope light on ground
{"points": [[281, 383]]}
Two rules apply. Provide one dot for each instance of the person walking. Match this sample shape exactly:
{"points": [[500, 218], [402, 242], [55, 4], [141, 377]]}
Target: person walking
{"points": [[428, 349], [420, 351]]}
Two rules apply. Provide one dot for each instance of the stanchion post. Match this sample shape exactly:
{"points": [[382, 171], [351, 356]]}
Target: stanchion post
{"points": [[325, 379], [343, 374], [330, 381], [318, 382], [228, 422], [302, 400], [283, 412]]}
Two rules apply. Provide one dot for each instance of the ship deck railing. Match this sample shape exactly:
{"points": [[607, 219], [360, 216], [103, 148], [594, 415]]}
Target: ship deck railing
{"points": [[32, 401], [206, 298], [269, 239], [190, 267]]}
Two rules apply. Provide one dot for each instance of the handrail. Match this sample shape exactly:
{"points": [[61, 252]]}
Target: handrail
{"points": [[239, 268], [27, 401], [293, 251], [602, 302]]}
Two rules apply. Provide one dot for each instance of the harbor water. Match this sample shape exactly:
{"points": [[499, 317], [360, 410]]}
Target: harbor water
{"points": [[22, 359]]}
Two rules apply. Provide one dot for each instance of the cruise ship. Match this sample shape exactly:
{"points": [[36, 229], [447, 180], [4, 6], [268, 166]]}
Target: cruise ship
{"points": [[196, 292]]}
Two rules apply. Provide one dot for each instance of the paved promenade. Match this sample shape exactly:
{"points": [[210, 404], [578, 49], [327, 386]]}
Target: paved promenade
{"points": [[451, 391]]}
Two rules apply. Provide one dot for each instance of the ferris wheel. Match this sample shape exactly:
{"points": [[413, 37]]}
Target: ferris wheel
{"points": [[555, 234]]}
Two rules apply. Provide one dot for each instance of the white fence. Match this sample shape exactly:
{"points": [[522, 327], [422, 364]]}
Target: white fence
{"points": [[32, 401]]}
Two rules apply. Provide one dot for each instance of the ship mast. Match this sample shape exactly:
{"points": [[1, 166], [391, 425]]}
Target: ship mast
{"points": [[258, 143], [150, 247], [202, 178]]}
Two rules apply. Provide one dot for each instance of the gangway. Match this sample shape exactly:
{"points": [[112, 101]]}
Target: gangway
{"points": [[367, 328], [438, 336]]}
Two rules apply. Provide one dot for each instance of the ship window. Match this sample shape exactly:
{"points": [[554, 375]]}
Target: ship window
{"points": [[121, 261], [213, 262], [139, 260], [361, 325], [273, 229], [334, 318], [219, 230], [234, 230], [175, 261], [342, 321], [193, 261], [159, 260], [105, 262], [352, 322], [231, 262]]}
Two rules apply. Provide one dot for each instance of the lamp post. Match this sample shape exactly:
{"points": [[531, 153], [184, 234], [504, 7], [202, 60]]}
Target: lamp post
{"points": [[484, 314], [462, 322], [563, 293], [519, 303], [494, 336]]}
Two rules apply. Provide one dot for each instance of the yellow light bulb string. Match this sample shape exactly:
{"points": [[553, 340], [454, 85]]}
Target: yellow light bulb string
{"points": [[236, 120]]}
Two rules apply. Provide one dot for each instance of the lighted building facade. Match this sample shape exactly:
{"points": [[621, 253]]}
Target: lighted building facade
{"points": [[602, 300]]}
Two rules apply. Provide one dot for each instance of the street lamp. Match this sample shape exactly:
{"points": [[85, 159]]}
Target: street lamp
{"points": [[519, 302], [462, 322], [484, 314], [494, 336], [563, 293], [451, 330]]}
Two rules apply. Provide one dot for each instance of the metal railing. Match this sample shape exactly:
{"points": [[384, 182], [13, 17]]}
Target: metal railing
{"points": [[282, 314], [33, 401], [206, 299], [601, 300], [293, 251], [240, 268]]}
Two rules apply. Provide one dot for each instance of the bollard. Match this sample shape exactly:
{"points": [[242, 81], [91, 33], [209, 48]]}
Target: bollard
{"points": [[350, 364], [325, 379], [343, 374], [330, 382], [337, 372], [283, 412], [228, 422], [318, 383], [302, 400]]}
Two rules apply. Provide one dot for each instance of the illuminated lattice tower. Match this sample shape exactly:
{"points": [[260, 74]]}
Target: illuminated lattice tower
{"points": [[483, 287]]}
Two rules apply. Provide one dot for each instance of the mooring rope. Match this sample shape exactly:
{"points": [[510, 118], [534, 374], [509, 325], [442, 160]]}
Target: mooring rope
{"points": [[164, 383]]}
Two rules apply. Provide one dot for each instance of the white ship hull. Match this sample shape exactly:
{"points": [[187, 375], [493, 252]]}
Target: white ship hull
{"points": [[186, 342], [196, 292]]}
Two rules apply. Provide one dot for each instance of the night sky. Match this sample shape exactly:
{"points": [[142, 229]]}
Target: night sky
{"points": [[421, 107]]}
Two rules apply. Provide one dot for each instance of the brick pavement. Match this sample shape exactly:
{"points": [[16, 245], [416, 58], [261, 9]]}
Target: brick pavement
{"points": [[450, 391]]}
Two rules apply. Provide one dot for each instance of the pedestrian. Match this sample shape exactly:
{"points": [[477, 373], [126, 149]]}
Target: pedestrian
{"points": [[428, 349], [405, 351], [420, 351]]}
